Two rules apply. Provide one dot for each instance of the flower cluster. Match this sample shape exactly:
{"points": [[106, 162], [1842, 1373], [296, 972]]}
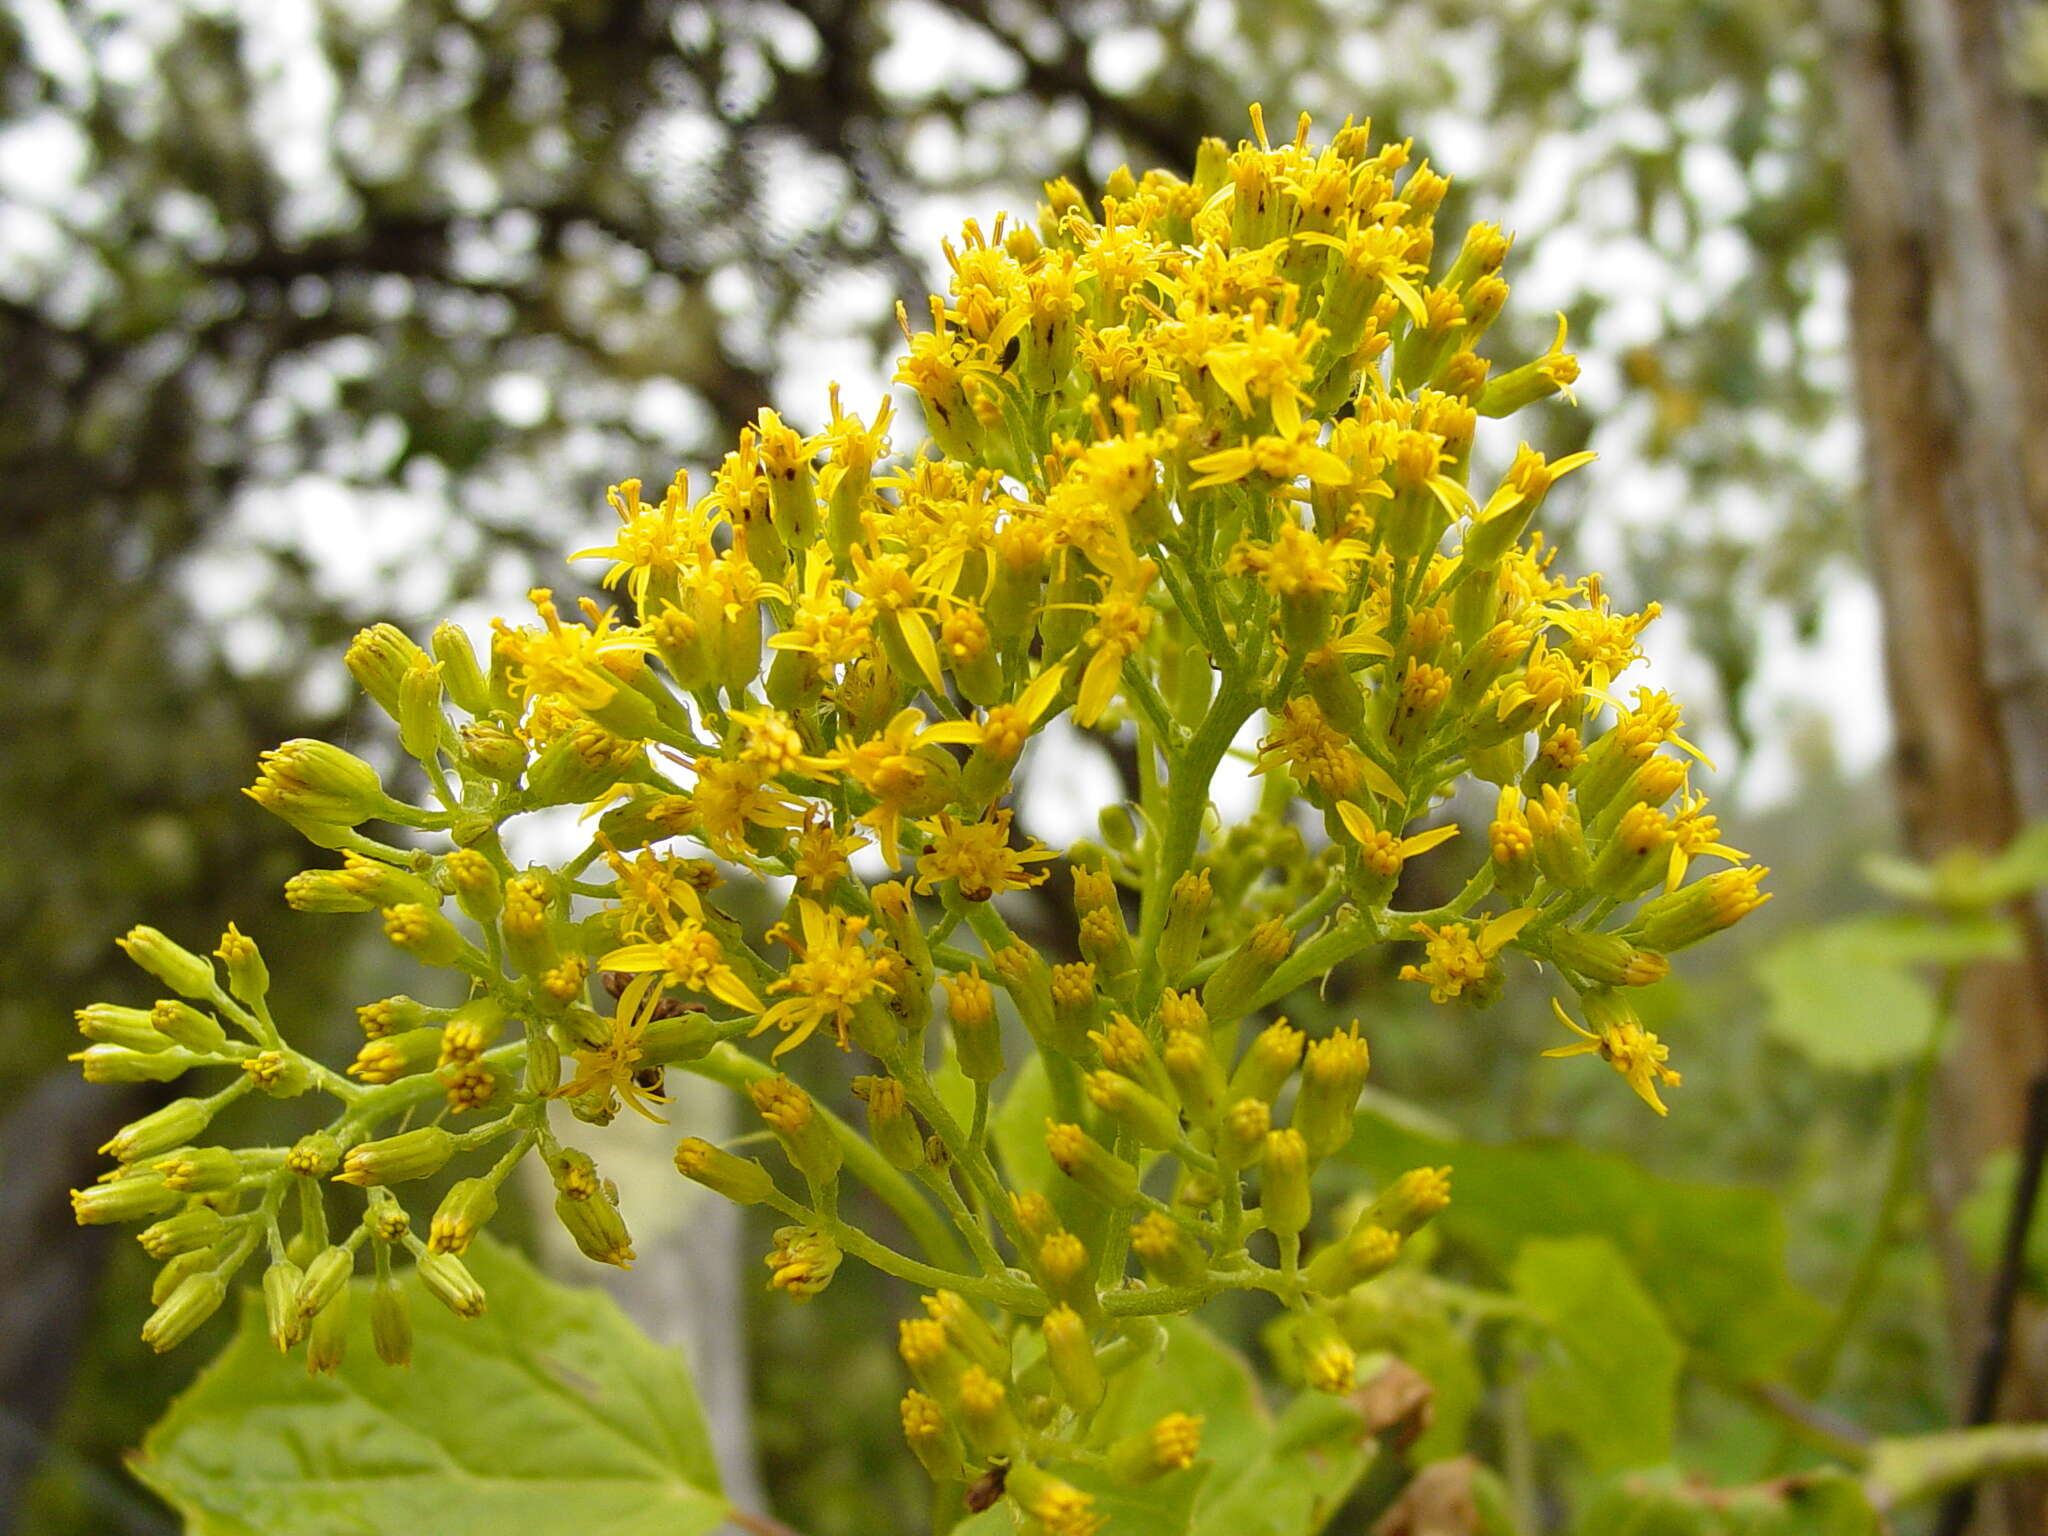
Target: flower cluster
{"points": [[1200, 470]]}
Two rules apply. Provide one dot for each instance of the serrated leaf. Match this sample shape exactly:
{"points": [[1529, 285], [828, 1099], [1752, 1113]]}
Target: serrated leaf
{"points": [[1711, 1255], [1607, 1367], [551, 1415]]}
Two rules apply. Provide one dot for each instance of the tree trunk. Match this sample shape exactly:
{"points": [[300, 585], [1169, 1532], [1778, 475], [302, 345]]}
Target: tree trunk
{"points": [[1948, 259]]}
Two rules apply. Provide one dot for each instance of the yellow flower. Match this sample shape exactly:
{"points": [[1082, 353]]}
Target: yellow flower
{"points": [[978, 857], [1459, 961], [614, 1065], [893, 768], [690, 957], [1619, 1039], [1277, 457], [833, 974], [1386, 852]]}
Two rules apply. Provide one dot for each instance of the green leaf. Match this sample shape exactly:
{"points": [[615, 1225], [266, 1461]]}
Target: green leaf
{"points": [[1607, 1371], [1311, 1460], [550, 1414], [1913, 1468], [1842, 997], [1018, 1129], [1712, 1256], [1663, 1502]]}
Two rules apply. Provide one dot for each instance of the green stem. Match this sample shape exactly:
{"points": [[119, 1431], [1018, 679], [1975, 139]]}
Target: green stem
{"points": [[1011, 1295], [728, 1065]]}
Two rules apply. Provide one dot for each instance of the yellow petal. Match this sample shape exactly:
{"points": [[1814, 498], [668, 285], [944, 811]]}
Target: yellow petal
{"points": [[918, 639], [632, 957], [1098, 686], [1411, 301], [1356, 822], [1503, 928], [961, 733], [1422, 842], [1380, 782], [1041, 691], [733, 992]]}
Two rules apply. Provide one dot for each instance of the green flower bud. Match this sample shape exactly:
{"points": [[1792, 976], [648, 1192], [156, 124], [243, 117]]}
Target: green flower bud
{"points": [[1144, 1114], [390, 1322], [281, 1282], [985, 1414], [308, 781], [1106, 941], [1187, 918], [1268, 1062], [977, 1037], [478, 890], [741, 1180], [802, 1262], [378, 658], [248, 976], [1332, 1074], [451, 1283], [1171, 1445], [969, 1331], [598, 1229], [494, 751], [325, 1278], [1606, 958], [1025, 976], [172, 1126], [201, 1170], [463, 1212], [459, 669], [314, 1155], [414, 1154], [1169, 1254], [327, 1335], [172, 964], [129, 1028], [196, 1299], [1367, 1251], [182, 1024], [891, 1126], [932, 1439], [1091, 1165], [1699, 910], [1197, 1076], [1284, 1202], [390, 1057], [1074, 1007], [178, 1270], [1230, 991], [134, 1198], [1405, 1205], [117, 1064], [198, 1227], [423, 933], [1241, 1135], [805, 1137], [1071, 1355]]}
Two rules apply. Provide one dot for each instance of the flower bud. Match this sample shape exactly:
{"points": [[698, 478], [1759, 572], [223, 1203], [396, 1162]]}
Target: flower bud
{"points": [[133, 1198], [304, 780], [201, 1170], [1144, 1114], [1187, 917], [423, 933], [196, 1227], [390, 1321], [1074, 1007], [1029, 982], [1267, 1062], [325, 1278], [472, 1028], [1171, 1445], [802, 1262], [416, 1154], [128, 1028], [1560, 839], [934, 1364], [598, 1229], [279, 1075], [494, 751], [969, 1331], [387, 1059], [741, 1180], [391, 1016], [314, 1156], [172, 964], [1405, 1205], [1697, 911], [1125, 1051], [451, 1283], [1106, 941], [1057, 1506], [985, 1413], [196, 1299], [463, 1212], [1197, 1076], [1606, 958], [1065, 1267], [1367, 1251], [459, 669], [1167, 1251], [327, 1335], [891, 1126], [1328, 1363], [1241, 1135], [248, 976], [932, 1440], [1245, 970], [117, 1064], [179, 1022], [1284, 1202], [178, 1270], [281, 1282], [977, 1038], [173, 1125], [1071, 1355], [805, 1137], [1091, 1165], [378, 658], [1332, 1073], [478, 890]]}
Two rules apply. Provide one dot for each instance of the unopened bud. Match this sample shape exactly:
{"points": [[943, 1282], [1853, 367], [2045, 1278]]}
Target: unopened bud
{"points": [[1091, 1165], [741, 1180], [390, 1321], [196, 1299], [172, 964], [414, 1154]]}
